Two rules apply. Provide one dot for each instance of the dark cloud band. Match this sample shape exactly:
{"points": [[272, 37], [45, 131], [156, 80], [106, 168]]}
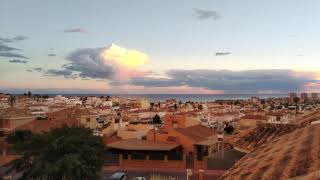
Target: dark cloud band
{"points": [[222, 53], [7, 48], [76, 30], [251, 81], [18, 61], [14, 39], [206, 14], [12, 55]]}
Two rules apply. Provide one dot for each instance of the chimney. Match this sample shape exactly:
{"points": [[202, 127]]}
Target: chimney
{"points": [[4, 152], [201, 171]]}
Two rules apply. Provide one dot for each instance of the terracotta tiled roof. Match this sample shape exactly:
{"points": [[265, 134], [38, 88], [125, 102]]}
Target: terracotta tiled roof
{"points": [[13, 112], [262, 134], [56, 119], [289, 156], [38, 126], [70, 113], [197, 132]]}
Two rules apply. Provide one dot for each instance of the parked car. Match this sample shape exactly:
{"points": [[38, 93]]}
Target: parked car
{"points": [[140, 178], [118, 176]]}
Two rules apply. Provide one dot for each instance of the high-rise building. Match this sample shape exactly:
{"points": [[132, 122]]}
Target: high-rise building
{"points": [[292, 95], [304, 96], [314, 96]]}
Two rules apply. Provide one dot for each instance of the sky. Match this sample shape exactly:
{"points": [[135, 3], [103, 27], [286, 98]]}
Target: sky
{"points": [[156, 47]]}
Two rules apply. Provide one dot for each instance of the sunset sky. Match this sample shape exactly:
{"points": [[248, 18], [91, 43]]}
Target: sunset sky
{"points": [[164, 46]]}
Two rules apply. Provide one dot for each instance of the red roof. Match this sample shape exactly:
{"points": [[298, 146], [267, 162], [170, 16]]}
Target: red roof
{"points": [[197, 132], [38, 126], [255, 117], [55, 119]]}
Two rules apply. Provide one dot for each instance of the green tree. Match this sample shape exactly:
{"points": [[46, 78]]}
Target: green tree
{"points": [[12, 100], [63, 153], [115, 104], [175, 106], [229, 129], [237, 102], [19, 136]]}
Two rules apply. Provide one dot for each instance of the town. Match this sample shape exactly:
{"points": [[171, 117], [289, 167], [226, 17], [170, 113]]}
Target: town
{"points": [[171, 139]]}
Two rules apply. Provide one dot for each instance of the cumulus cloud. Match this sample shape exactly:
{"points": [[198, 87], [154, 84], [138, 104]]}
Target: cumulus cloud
{"points": [[122, 56], [76, 30], [89, 64], [250, 81], [203, 14], [222, 53], [18, 61], [12, 55], [111, 62]]}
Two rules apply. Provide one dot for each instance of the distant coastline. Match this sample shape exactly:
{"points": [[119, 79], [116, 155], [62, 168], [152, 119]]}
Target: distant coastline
{"points": [[183, 97]]}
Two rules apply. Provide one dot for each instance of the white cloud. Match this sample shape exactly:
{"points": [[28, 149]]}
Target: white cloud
{"points": [[123, 57], [111, 62]]}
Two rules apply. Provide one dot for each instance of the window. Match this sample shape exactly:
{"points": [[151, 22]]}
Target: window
{"points": [[88, 119], [156, 156], [138, 155], [172, 139], [125, 155]]}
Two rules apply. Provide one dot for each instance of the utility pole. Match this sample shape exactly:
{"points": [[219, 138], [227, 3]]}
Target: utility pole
{"points": [[154, 132], [220, 142]]}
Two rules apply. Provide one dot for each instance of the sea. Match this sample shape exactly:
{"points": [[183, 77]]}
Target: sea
{"points": [[186, 97]]}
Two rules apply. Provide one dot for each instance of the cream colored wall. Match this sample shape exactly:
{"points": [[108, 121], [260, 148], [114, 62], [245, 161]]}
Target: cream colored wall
{"points": [[126, 134], [107, 131], [92, 124], [247, 123], [191, 121], [145, 104], [138, 127]]}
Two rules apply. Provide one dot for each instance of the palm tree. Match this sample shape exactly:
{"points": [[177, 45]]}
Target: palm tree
{"points": [[64, 153], [12, 100], [156, 120]]}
